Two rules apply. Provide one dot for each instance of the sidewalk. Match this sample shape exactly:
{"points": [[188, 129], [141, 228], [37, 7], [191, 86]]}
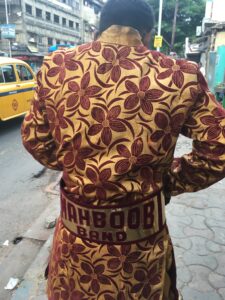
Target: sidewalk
{"points": [[197, 227]]}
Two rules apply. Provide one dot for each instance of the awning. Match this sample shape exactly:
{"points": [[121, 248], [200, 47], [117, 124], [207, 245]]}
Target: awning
{"points": [[32, 49]]}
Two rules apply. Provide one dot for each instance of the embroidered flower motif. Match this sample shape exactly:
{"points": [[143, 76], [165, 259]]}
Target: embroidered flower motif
{"points": [[63, 62], [77, 295], [176, 68], [100, 183], [116, 62], [131, 158], [96, 46], [94, 275], [76, 252], [214, 124], [142, 95], [122, 258], [120, 296], [169, 126], [83, 92], [57, 121], [75, 155], [108, 122], [146, 281], [66, 287], [157, 56], [149, 179]]}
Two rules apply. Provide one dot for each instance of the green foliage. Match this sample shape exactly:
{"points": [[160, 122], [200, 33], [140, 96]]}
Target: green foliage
{"points": [[190, 15]]}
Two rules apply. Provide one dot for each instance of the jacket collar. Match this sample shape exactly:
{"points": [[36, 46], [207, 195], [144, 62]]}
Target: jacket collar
{"points": [[121, 35]]}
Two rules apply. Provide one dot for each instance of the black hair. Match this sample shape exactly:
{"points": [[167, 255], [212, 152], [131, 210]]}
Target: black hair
{"points": [[133, 13]]}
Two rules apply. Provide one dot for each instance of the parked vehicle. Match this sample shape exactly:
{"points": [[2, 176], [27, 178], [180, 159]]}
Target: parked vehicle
{"points": [[17, 84]]}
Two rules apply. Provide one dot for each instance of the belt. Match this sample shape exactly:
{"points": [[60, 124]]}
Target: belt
{"points": [[114, 224]]}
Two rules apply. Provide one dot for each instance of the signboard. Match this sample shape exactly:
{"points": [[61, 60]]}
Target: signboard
{"points": [[198, 30], [8, 31], [158, 41]]}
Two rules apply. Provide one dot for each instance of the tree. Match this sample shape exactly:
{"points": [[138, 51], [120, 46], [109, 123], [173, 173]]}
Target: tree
{"points": [[189, 16]]}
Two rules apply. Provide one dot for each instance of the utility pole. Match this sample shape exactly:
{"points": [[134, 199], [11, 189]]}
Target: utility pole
{"points": [[7, 22], [174, 25], [160, 20]]}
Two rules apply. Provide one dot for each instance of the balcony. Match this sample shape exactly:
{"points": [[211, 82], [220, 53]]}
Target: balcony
{"points": [[35, 26], [12, 2]]}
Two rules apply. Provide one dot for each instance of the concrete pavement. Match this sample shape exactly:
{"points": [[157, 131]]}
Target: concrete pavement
{"points": [[197, 227], [22, 185], [20, 257]]}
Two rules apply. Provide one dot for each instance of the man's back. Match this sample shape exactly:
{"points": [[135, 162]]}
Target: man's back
{"points": [[108, 114], [115, 110]]}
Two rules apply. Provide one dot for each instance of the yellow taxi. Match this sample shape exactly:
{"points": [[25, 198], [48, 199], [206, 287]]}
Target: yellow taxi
{"points": [[17, 84]]}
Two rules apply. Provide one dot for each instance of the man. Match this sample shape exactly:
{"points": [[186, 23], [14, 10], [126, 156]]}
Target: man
{"points": [[108, 114]]}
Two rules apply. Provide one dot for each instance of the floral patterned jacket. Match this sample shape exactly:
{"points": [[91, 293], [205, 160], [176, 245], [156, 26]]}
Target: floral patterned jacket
{"points": [[109, 113]]}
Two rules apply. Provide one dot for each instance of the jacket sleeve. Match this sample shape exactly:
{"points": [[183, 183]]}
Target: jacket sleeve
{"points": [[36, 133], [205, 165]]}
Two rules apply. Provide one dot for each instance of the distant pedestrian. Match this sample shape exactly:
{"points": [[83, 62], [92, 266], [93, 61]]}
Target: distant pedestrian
{"points": [[108, 115]]}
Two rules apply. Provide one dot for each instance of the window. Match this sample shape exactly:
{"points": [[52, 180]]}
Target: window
{"points": [[1, 76], [77, 26], [28, 9], [64, 21], [77, 5], [48, 16], [38, 13], [8, 73], [50, 41], [56, 19], [23, 73], [71, 24], [40, 39]]}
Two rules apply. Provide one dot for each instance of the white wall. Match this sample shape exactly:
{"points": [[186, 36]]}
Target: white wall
{"points": [[208, 9], [215, 10], [218, 11]]}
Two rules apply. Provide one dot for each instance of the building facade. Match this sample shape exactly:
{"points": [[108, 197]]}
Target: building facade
{"points": [[91, 15], [41, 24], [209, 47], [214, 11], [49, 22]]}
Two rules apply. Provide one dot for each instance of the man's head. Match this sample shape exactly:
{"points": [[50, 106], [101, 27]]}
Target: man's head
{"points": [[133, 13]]}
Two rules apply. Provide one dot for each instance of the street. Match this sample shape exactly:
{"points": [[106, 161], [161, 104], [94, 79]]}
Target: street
{"points": [[18, 183], [25, 198], [23, 180]]}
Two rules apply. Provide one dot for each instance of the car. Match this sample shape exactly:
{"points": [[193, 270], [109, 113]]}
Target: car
{"points": [[17, 85]]}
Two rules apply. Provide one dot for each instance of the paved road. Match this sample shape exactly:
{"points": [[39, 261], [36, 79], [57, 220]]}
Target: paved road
{"points": [[22, 197]]}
